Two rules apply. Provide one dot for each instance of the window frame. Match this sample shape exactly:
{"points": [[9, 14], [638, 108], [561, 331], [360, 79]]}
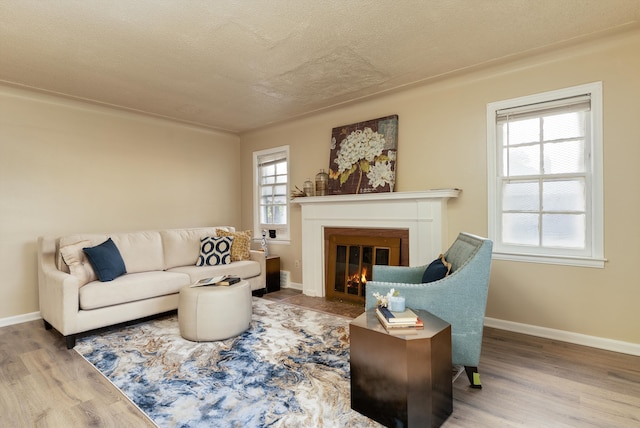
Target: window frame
{"points": [[282, 230], [593, 253]]}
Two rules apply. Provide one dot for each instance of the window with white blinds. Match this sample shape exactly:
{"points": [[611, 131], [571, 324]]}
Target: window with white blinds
{"points": [[271, 207], [545, 177]]}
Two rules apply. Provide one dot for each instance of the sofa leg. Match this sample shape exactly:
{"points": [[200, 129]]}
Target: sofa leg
{"points": [[71, 341], [47, 326], [474, 376]]}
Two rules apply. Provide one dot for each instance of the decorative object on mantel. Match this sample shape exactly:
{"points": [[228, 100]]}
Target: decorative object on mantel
{"points": [[308, 187], [297, 193], [363, 157], [322, 180]]}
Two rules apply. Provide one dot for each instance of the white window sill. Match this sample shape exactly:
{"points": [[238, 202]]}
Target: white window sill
{"points": [[552, 260], [274, 241]]}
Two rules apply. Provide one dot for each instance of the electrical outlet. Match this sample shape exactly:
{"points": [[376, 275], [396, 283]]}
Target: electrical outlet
{"points": [[297, 264]]}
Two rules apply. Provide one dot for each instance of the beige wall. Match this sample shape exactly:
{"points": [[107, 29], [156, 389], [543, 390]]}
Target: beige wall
{"points": [[69, 167], [442, 143]]}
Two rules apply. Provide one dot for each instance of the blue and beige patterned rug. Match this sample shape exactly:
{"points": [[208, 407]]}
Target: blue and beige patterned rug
{"points": [[290, 369]]}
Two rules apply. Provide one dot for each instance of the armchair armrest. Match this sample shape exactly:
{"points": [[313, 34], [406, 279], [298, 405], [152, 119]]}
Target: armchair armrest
{"points": [[404, 274]]}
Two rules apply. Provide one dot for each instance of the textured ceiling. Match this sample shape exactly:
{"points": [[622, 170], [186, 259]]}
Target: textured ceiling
{"points": [[239, 65]]}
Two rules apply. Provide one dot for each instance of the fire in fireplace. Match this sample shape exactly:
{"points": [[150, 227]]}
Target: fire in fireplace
{"points": [[350, 261]]}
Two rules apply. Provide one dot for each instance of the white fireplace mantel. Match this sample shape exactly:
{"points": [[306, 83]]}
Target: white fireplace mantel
{"points": [[423, 214]]}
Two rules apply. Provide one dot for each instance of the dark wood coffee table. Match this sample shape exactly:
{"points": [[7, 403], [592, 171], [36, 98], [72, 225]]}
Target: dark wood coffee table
{"points": [[401, 380]]}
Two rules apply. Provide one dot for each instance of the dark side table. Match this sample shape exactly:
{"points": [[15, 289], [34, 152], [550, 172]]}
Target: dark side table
{"points": [[401, 380], [273, 273]]}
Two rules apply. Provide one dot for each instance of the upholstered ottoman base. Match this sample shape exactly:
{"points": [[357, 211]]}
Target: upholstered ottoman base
{"points": [[214, 312]]}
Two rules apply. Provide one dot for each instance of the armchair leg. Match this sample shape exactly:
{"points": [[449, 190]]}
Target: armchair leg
{"points": [[474, 376]]}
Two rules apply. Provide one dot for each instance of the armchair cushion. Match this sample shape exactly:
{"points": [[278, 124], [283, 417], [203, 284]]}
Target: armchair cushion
{"points": [[437, 269]]}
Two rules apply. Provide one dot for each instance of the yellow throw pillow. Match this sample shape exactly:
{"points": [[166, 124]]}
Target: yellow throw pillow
{"points": [[240, 246]]}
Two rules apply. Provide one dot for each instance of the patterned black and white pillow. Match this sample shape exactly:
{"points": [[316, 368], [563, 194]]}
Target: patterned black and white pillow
{"points": [[215, 250]]}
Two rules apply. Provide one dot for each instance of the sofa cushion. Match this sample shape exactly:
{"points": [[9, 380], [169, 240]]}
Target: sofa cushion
{"points": [[77, 262], [106, 260], [244, 269], [437, 269], [141, 251], [241, 244], [215, 251], [182, 246], [130, 288]]}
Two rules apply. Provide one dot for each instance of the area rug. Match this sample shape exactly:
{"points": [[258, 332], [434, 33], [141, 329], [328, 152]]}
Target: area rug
{"points": [[290, 369]]}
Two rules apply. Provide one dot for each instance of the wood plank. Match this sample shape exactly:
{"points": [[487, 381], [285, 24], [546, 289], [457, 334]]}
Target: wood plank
{"points": [[527, 381]]}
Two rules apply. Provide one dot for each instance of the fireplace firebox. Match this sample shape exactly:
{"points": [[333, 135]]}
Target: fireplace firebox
{"points": [[351, 256]]}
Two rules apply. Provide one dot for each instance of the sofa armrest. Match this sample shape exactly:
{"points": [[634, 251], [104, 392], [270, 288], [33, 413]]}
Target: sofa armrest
{"points": [[259, 257], [58, 291]]}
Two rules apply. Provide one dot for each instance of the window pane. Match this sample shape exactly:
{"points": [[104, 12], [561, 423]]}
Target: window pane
{"points": [[280, 199], [523, 160], [264, 214], [524, 131], [521, 196], [566, 125], [270, 179], [564, 158], [268, 170], [563, 230], [280, 190], [520, 229], [279, 214], [564, 195], [281, 168]]}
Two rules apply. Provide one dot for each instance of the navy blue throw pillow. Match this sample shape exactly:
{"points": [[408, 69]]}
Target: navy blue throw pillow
{"points": [[106, 260], [437, 269]]}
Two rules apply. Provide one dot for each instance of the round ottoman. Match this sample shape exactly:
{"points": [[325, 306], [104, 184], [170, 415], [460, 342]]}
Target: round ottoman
{"points": [[210, 313]]}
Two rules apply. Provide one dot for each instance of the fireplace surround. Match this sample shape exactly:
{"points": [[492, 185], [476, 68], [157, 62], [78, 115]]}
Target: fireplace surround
{"points": [[423, 214]]}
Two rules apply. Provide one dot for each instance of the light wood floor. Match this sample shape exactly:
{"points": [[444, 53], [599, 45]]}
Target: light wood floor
{"points": [[527, 382]]}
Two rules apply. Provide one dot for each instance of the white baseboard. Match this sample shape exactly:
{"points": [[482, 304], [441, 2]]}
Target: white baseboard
{"points": [[19, 319], [565, 336], [295, 286]]}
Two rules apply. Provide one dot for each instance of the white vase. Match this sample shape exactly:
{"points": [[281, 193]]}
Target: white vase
{"points": [[396, 304]]}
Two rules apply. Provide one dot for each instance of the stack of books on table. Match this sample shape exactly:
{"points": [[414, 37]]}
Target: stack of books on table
{"points": [[217, 280], [406, 322]]}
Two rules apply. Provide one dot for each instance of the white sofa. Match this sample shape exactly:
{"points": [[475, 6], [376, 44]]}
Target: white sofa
{"points": [[158, 263]]}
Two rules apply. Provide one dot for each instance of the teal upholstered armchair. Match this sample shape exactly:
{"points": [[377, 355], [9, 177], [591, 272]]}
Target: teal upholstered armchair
{"points": [[460, 298]]}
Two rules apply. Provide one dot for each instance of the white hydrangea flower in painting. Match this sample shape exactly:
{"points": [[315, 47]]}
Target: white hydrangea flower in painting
{"points": [[359, 145], [380, 174]]}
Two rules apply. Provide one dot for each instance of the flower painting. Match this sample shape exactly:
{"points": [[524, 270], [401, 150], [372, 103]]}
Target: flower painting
{"points": [[363, 157]]}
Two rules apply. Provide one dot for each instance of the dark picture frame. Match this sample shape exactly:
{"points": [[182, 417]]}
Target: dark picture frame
{"points": [[363, 157]]}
